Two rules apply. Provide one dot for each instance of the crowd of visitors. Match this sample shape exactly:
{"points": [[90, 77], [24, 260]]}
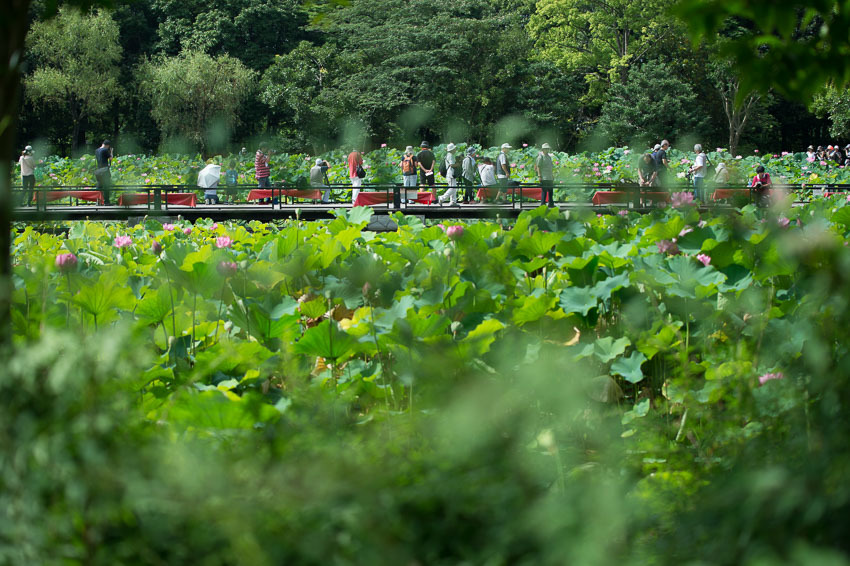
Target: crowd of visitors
{"points": [[463, 174]]}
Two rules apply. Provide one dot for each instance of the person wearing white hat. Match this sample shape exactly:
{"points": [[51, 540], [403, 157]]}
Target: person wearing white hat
{"points": [[451, 176], [318, 178], [721, 174], [503, 169], [27, 163], [545, 169]]}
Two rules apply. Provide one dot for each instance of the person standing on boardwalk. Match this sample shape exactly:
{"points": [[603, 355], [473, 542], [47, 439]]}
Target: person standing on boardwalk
{"points": [[409, 168], [699, 169], [452, 168], [545, 169], [662, 162], [355, 160], [262, 170], [503, 170], [27, 163], [103, 174], [425, 158], [647, 171], [467, 175], [318, 178]]}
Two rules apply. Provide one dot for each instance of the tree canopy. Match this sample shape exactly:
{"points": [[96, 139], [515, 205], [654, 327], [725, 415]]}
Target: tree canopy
{"points": [[397, 71], [196, 95], [75, 60]]}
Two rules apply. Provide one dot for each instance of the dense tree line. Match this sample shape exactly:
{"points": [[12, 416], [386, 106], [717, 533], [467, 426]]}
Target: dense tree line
{"points": [[162, 75]]}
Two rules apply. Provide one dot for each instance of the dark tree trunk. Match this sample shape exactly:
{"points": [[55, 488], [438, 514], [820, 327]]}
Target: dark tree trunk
{"points": [[13, 29]]}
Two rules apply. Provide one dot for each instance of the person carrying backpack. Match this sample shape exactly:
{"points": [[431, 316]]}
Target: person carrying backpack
{"points": [[409, 169]]}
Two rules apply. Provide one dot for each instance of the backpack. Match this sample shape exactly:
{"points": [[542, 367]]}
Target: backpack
{"points": [[443, 170], [407, 165]]}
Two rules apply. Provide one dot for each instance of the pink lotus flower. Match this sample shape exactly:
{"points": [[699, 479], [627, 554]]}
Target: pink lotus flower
{"points": [[223, 242], [123, 241], [667, 247], [441, 227], [609, 168], [227, 268], [755, 151], [738, 157], [782, 222], [784, 153], [823, 163], [66, 262], [702, 223], [383, 145], [681, 199], [187, 230], [626, 152], [214, 226], [704, 259], [769, 376], [454, 232], [156, 247], [168, 227], [623, 213], [685, 230], [525, 145]]}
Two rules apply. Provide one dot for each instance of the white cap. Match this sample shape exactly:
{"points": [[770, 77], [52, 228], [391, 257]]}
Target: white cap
{"points": [[450, 148], [506, 146], [545, 146], [319, 161], [28, 148], [408, 150]]}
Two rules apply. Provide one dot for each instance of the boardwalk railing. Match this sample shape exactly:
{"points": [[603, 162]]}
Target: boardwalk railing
{"points": [[394, 195]]}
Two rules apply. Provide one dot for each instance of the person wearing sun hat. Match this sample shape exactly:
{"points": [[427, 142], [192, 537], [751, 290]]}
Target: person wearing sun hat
{"points": [[27, 163], [451, 176], [318, 178], [503, 169], [545, 169]]}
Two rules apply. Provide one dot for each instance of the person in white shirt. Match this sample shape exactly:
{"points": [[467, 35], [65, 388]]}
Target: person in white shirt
{"points": [[451, 176], [487, 172], [699, 169], [27, 163], [503, 169]]}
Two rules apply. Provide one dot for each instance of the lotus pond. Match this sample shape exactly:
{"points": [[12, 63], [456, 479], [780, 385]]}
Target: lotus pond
{"points": [[569, 387]]}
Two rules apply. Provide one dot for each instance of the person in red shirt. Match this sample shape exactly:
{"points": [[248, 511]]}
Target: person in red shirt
{"points": [[355, 158], [761, 183]]}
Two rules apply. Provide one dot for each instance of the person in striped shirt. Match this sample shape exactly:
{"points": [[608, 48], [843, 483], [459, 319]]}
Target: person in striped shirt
{"points": [[261, 167]]}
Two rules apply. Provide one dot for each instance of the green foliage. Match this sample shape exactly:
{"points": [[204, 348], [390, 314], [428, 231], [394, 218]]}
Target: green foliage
{"points": [[76, 64], [781, 36], [601, 41], [648, 106], [196, 96], [563, 370]]}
